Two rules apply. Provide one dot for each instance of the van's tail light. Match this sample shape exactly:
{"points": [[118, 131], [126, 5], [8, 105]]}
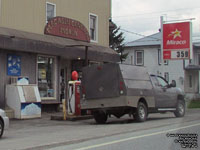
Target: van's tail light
{"points": [[121, 87], [83, 91], [99, 68]]}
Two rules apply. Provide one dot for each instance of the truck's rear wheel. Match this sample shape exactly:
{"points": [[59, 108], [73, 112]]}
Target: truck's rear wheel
{"points": [[1, 128], [141, 112], [180, 109], [100, 117]]}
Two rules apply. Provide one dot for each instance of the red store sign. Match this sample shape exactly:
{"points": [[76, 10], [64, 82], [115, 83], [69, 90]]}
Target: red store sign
{"points": [[67, 28], [176, 40]]}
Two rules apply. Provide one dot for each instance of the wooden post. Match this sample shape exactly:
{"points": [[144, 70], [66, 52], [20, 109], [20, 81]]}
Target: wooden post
{"points": [[64, 109], [86, 56]]}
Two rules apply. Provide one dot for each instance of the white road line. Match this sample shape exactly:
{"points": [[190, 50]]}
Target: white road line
{"points": [[136, 137]]}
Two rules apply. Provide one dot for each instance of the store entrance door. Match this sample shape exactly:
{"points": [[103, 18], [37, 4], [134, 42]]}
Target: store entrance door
{"points": [[63, 84]]}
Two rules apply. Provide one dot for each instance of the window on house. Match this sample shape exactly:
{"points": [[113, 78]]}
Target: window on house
{"points": [[165, 62], [46, 76], [190, 61], [166, 75], [93, 27], [190, 81], [50, 11], [198, 59], [139, 58], [159, 58], [131, 60]]}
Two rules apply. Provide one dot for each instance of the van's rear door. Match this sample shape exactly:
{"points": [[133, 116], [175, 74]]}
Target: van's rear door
{"points": [[101, 81]]}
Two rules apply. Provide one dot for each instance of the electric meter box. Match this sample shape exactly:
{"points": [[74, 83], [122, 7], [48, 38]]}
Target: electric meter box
{"points": [[24, 100]]}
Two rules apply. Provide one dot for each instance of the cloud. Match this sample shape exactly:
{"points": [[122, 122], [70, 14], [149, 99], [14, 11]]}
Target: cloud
{"points": [[144, 16]]}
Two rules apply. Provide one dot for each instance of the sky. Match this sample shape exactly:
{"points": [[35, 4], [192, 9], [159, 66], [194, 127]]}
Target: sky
{"points": [[139, 18]]}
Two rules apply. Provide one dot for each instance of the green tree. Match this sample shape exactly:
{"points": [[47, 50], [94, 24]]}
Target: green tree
{"points": [[116, 40]]}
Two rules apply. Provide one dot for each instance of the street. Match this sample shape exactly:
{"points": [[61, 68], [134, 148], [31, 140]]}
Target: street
{"points": [[151, 139], [125, 133]]}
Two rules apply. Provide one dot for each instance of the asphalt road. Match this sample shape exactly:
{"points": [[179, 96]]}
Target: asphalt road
{"points": [[173, 137], [41, 134]]}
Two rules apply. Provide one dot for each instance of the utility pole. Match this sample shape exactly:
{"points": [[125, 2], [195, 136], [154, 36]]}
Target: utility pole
{"points": [[161, 46]]}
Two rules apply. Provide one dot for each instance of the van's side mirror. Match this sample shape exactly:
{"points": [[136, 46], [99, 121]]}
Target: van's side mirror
{"points": [[173, 84]]}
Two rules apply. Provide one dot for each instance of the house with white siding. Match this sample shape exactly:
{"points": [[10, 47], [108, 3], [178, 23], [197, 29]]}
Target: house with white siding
{"points": [[147, 52], [192, 74]]}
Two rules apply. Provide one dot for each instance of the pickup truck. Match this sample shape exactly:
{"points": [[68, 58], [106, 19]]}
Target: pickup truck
{"points": [[118, 89]]}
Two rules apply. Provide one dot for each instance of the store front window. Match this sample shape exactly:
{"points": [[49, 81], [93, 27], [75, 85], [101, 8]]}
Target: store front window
{"points": [[46, 76]]}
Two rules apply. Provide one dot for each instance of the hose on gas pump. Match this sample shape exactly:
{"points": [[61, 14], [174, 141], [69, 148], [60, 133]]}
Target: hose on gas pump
{"points": [[70, 97]]}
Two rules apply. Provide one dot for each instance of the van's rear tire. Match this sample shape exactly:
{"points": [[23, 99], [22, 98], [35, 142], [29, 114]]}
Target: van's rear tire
{"points": [[141, 112], [180, 109], [1, 128], [100, 117]]}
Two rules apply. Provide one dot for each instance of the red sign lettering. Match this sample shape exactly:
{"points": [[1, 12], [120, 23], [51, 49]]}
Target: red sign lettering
{"points": [[67, 28]]}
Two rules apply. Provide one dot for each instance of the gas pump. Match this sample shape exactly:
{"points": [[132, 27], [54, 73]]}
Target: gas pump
{"points": [[74, 95]]}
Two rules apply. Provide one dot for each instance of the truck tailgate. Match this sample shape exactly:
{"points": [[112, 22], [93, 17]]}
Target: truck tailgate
{"points": [[101, 81]]}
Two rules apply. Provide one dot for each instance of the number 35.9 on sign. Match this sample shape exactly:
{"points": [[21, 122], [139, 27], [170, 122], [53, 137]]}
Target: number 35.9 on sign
{"points": [[179, 54]]}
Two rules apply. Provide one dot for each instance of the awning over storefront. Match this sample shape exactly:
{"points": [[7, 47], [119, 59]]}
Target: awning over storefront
{"points": [[192, 67], [11, 39]]}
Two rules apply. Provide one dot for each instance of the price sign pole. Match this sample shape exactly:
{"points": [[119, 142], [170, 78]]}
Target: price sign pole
{"points": [[161, 55]]}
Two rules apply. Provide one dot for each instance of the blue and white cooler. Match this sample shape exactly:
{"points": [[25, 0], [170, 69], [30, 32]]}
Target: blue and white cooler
{"points": [[23, 98]]}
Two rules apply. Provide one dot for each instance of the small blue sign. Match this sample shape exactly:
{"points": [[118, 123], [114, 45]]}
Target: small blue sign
{"points": [[14, 65]]}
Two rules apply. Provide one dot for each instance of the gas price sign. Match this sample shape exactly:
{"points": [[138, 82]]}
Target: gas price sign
{"points": [[179, 54], [176, 41]]}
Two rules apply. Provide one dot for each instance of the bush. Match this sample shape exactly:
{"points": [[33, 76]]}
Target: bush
{"points": [[194, 104]]}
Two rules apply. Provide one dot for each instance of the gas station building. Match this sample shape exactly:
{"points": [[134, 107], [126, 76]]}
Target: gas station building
{"points": [[44, 41]]}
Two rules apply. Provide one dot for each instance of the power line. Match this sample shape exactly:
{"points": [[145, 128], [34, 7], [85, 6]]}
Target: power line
{"points": [[145, 41], [131, 32], [156, 12]]}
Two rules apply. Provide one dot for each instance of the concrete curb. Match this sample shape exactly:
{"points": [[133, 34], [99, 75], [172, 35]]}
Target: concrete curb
{"points": [[70, 118]]}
